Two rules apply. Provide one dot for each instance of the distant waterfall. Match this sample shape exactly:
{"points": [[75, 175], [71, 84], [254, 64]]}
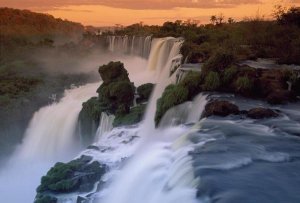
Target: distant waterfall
{"points": [[52, 128], [133, 45]]}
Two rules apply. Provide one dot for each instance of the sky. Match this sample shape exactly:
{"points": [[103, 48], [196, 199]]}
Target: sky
{"points": [[126, 12]]}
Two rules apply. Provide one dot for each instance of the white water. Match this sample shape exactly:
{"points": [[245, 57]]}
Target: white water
{"points": [[188, 112], [133, 45], [164, 52], [106, 124], [160, 170], [48, 139]]}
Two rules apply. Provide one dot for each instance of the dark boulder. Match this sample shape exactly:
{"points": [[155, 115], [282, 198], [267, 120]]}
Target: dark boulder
{"points": [[220, 108], [259, 113]]}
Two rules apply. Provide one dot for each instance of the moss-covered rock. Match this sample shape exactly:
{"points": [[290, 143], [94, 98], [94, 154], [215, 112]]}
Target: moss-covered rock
{"points": [[116, 96], [144, 91], [133, 117], [89, 118], [192, 81], [45, 199], [113, 72], [78, 175], [172, 96]]}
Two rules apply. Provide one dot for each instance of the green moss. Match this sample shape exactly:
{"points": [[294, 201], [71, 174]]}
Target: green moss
{"points": [[192, 81], [45, 199], [134, 116], [243, 84], [69, 177], [172, 96], [229, 74], [144, 91], [212, 81]]}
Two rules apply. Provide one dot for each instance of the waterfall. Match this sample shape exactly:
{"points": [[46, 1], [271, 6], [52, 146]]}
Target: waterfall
{"points": [[163, 54], [188, 112], [51, 130], [106, 124], [132, 45]]}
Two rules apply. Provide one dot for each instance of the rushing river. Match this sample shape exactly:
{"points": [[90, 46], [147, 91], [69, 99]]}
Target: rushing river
{"points": [[187, 159]]}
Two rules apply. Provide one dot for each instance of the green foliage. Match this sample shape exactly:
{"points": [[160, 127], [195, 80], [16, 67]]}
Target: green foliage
{"points": [[45, 199], [144, 92], [212, 81], [192, 81], [134, 116], [64, 178], [113, 71], [172, 96], [243, 84], [229, 74], [218, 62]]}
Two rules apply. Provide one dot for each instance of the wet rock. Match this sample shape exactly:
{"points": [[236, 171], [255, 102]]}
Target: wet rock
{"points": [[220, 108], [260, 113]]}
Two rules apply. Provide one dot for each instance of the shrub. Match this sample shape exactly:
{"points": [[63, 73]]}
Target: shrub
{"points": [[212, 81], [192, 81], [135, 115], [229, 74], [218, 62], [243, 84], [172, 96]]}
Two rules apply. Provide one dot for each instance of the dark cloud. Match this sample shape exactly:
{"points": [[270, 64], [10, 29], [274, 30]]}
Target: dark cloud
{"points": [[130, 4]]}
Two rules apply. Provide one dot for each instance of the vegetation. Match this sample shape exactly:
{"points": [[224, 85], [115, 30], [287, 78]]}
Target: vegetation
{"points": [[172, 96], [243, 84], [133, 117], [78, 175], [144, 91], [212, 81], [116, 96]]}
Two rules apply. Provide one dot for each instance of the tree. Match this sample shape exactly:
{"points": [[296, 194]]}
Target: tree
{"points": [[230, 20], [213, 19], [220, 19]]}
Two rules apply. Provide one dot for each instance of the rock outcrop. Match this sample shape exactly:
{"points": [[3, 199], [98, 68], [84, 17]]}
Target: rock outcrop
{"points": [[220, 108], [79, 175]]}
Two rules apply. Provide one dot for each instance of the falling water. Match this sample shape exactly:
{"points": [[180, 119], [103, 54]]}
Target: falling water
{"points": [[48, 139], [52, 129], [163, 54], [133, 45], [106, 124]]}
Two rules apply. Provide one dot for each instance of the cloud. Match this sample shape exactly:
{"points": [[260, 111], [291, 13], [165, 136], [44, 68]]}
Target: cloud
{"points": [[128, 4]]}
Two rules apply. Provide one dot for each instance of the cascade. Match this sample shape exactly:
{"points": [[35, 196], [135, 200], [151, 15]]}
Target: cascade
{"points": [[163, 54], [51, 130], [133, 45], [106, 124], [188, 112]]}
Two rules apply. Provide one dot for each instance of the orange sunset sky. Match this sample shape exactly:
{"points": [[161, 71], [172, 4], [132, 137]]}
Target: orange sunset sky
{"points": [[125, 12]]}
